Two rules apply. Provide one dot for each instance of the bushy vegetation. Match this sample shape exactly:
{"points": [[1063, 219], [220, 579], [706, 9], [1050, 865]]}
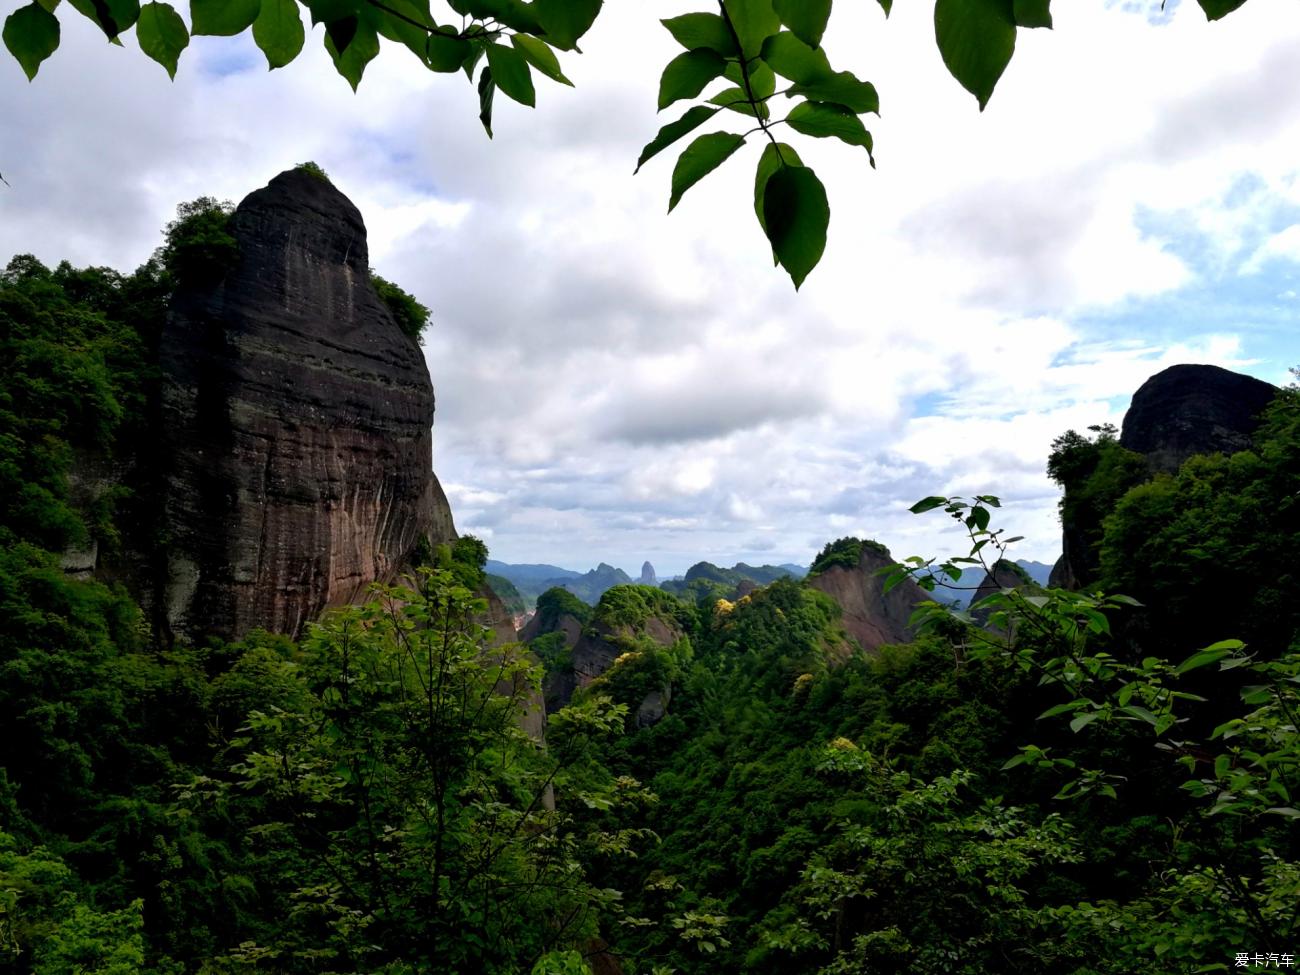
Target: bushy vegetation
{"points": [[846, 553], [508, 594], [631, 605], [557, 602], [314, 170], [200, 249], [1091, 784], [411, 316]]}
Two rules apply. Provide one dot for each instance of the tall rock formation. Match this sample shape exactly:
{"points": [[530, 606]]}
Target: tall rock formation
{"points": [[871, 616], [1179, 412], [648, 577], [297, 418], [1193, 409]]}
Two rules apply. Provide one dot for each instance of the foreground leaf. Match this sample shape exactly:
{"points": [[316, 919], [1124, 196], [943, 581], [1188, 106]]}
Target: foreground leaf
{"points": [[362, 47], [444, 51], [701, 157], [486, 90], [843, 88], [278, 31], [797, 217], [791, 58], [806, 18], [703, 30], [511, 74], [1214, 9], [565, 21], [540, 56], [1033, 13], [976, 39], [686, 75], [824, 120], [162, 34], [754, 21], [112, 16], [775, 155], [673, 131], [31, 34], [223, 18]]}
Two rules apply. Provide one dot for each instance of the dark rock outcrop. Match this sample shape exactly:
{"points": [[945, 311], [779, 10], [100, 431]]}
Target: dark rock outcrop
{"points": [[1179, 412], [1193, 409], [297, 418], [648, 577], [870, 615]]}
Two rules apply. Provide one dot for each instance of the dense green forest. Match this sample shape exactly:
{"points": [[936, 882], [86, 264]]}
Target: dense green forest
{"points": [[1095, 781]]}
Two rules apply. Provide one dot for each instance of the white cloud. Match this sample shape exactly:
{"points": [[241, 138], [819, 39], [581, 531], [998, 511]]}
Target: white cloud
{"points": [[617, 384]]}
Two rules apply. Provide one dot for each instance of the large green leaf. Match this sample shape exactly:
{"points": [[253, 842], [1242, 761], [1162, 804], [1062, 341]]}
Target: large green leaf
{"points": [[1033, 13], [703, 30], [687, 74], [843, 88], [112, 16], [278, 31], [762, 79], [806, 18], [340, 33], [486, 89], [540, 56], [825, 120], [362, 48], [511, 74], [754, 21], [444, 51], [976, 39], [31, 34], [791, 58], [565, 21], [796, 217], [775, 155], [670, 133], [405, 22], [328, 11], [737, 100], [162, 34], [1214, 9], [512, 13], [223, 18], [701, 157]]}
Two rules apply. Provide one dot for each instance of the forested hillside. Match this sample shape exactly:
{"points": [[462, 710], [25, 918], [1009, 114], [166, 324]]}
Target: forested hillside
{"points": [[1100, 779]]}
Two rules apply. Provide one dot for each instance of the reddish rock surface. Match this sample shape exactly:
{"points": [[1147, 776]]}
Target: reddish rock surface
{"points": [[298, 418], [870, 615]]}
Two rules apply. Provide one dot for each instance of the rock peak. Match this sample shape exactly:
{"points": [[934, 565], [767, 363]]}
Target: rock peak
{"points": [[1193, 409], [297, 417], [309, 215]]}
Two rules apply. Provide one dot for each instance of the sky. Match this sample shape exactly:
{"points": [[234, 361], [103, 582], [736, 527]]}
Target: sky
{"points": [[618, 384]]}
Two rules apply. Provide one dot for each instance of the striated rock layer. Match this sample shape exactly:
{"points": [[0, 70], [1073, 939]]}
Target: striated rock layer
{"points": [[297, 417]]}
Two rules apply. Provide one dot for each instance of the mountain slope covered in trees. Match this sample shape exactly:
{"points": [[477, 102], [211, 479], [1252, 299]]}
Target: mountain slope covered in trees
{"points": [[1102, 780]]}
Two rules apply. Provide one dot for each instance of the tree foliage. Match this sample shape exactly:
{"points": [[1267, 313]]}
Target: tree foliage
{"points": [[745, 57]]}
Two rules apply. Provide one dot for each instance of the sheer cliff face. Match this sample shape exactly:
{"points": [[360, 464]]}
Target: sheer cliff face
{"points": [[298, 417], [871, 616], [1193, 409]]}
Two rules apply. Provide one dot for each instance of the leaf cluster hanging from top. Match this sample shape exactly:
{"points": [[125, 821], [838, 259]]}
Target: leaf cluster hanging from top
{"points": [[757, 49]]}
